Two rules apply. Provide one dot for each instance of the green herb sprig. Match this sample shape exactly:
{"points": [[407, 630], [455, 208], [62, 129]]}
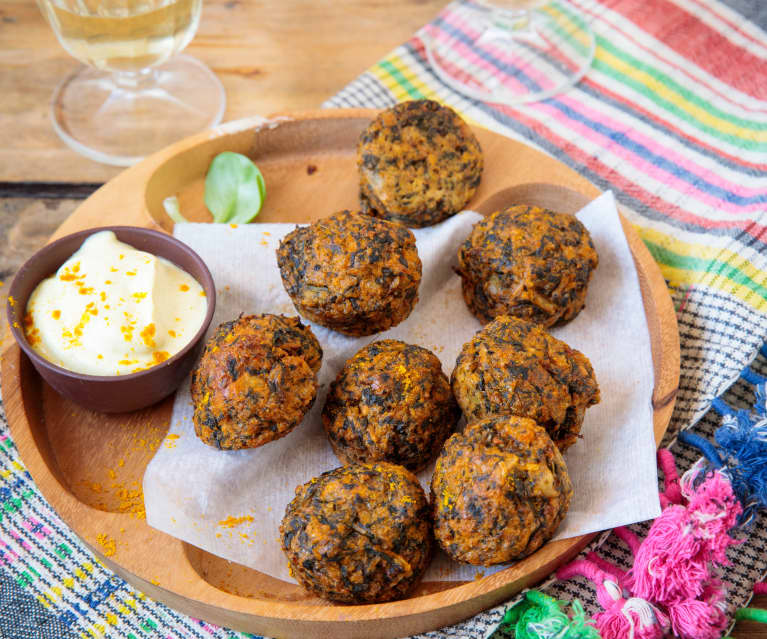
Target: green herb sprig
{"points": [[234, 190]]}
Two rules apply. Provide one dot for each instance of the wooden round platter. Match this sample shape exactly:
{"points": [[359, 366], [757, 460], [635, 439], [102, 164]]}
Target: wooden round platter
{"points": [[90, 466]]}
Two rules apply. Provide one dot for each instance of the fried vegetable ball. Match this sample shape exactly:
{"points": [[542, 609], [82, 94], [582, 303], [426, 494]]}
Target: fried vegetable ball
{"points": [[359, 534], [528, 262], [351, 272], [255, 381], [499, 491], [419, 163], [514, 367], [390, 402]]}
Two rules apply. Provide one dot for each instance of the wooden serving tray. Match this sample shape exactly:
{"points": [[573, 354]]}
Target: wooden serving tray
{"points": [[90, 466]]}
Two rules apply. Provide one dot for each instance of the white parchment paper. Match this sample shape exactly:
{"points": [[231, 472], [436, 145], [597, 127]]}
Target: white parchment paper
{"points": [[230, 502]]}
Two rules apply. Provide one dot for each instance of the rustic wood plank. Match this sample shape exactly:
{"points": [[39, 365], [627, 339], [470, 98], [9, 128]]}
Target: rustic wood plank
{"points": [[25, 225], [47, 190], [271, 56]]}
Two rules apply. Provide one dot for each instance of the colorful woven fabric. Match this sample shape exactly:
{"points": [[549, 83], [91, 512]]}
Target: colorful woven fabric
{"points": [[673, 118]]}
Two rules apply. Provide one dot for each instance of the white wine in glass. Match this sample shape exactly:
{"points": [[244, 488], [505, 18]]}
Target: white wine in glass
{"points": [[134, 97], [511, 51]]}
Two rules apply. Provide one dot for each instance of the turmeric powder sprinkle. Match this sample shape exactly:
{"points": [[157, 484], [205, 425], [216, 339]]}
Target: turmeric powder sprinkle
{"points": [[233, 522], [107, 543]]}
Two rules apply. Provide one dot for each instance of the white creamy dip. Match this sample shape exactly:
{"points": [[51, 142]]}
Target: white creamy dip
{"points": [[111, 309]]}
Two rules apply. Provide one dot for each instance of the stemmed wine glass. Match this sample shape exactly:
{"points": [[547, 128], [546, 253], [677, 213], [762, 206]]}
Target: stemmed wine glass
{"points": [[135, 96], [510, 51]]}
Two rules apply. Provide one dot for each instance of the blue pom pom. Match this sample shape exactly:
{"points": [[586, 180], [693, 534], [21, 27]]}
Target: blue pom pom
{"points": [[741, 444]]}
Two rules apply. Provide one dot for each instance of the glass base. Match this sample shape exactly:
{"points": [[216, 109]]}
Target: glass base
{"points": [[511, 57], [119, 118]]}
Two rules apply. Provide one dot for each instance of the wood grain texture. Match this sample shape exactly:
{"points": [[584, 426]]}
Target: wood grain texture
{"points": [[90, 466], [270, 55], [25, 226], [752, 629]]}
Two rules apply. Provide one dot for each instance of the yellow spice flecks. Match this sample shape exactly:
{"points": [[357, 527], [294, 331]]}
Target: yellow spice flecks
{"points": [[233, 522], [107, 543], [95, 318]]}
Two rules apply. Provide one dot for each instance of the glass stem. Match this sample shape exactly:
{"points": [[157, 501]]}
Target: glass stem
{"points": [[133, 80], [503, 24], [517, 20]]}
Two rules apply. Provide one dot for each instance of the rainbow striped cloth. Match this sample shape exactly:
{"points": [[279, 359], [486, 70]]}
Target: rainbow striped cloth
{"points": [[672, 117]]}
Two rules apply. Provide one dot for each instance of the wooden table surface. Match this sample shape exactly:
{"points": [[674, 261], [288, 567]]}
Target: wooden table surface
{"points": [[272, 55]]}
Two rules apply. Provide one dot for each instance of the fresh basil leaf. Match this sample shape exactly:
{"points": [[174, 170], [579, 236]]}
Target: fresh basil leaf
{"points": [[234, 188], [170, 204]]}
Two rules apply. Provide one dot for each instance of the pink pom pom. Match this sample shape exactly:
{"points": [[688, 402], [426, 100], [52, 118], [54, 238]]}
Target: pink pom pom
{"points": [[672, 563], [667, 566], [693, 619], [622, 618], [622, 623], [631, 618], [714, 511], [672, 566], [760, 588]]}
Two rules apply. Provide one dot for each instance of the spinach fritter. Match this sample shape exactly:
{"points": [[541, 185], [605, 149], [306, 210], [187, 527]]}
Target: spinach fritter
{"points": [[514, 367], [419, 163], [359, 533], [255, 381], [351, 272], [499, 491], [528, 262], [390, 402]]}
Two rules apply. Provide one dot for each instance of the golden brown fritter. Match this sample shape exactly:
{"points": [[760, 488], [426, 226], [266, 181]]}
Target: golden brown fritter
{"points": [[514, 367], [255, 381], [419, 163], [359, 534], [390, 402], [351, 272], [528, 262], [499, 492]]}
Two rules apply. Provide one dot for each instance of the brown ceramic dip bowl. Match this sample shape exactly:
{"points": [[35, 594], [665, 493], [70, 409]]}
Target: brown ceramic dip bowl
{"points": [[111, 393]]}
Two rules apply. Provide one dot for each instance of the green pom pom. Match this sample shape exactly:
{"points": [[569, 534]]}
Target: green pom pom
{"points": [[539, 616], [752, 614]]}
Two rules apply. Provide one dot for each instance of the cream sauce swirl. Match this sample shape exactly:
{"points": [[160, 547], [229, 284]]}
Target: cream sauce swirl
{"points": [[111, 309]]}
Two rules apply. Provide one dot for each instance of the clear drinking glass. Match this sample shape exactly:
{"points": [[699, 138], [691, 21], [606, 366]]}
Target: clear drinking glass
{"points": [[135, 95], [511, 51]]}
